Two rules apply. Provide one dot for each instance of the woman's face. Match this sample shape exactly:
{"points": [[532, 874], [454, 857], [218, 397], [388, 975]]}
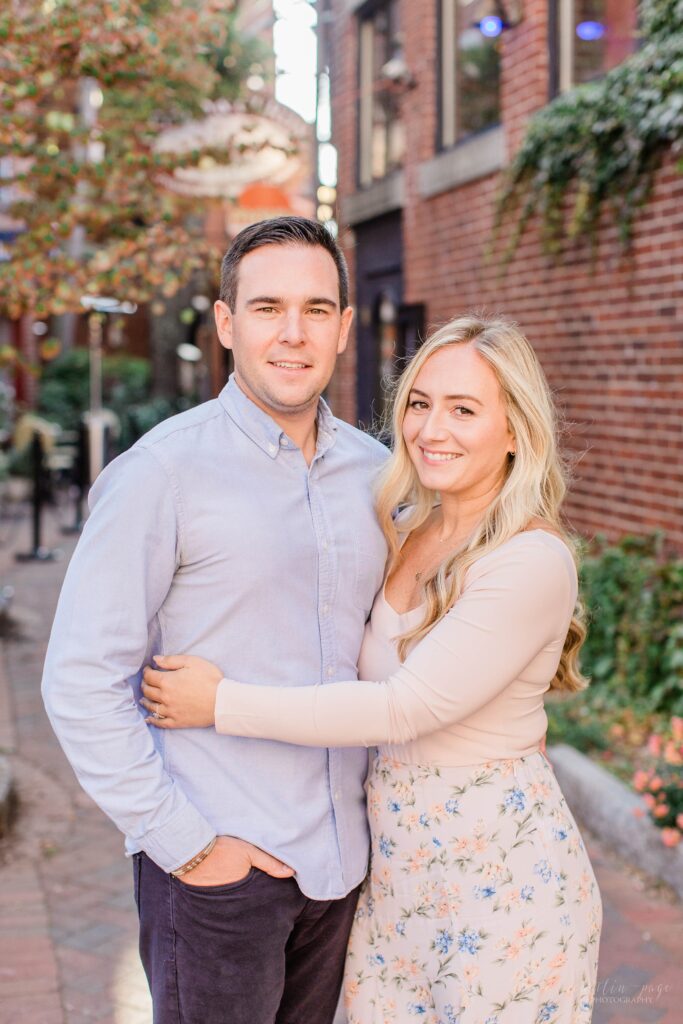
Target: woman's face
{"points": [[455, 425]]}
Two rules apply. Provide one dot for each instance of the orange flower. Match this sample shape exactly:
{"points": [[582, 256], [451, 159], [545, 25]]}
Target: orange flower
{"points": [[671, 836], [672, 753], [679, 821], [640, 780], [654, 745], [655, 784], [677, 728], [660, 811]]}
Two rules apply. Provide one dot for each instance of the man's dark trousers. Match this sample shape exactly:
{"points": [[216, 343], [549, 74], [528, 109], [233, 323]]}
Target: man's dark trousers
{"points": [[256, 951]]}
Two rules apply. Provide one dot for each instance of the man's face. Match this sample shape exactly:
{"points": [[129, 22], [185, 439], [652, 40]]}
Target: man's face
{"points": [[287, 328]]}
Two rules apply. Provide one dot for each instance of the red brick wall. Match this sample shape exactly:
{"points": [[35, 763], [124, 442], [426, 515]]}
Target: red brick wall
{"points": [[608, 329]]}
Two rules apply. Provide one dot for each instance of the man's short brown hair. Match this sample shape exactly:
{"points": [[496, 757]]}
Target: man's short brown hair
{"points": [[280, 231]]}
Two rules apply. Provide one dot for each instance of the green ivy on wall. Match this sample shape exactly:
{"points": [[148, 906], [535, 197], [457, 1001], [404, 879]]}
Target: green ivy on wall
{"points": [[598, 145]]}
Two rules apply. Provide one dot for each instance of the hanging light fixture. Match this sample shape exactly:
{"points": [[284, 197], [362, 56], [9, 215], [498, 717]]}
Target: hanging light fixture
{"points": [[590, 31], [504, 14]]}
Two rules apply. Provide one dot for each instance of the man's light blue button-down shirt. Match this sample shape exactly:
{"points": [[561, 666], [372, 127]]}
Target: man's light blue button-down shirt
{"points": [[212, 536]]}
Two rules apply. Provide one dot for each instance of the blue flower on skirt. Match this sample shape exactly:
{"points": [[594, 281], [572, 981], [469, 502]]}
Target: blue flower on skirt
{"points": [[515, 798], [452, 806], [546, 1012], [418, 1009], [527, 893], [542, 868], [385, 846], [468, 942], [443, 941], [484, 892]]}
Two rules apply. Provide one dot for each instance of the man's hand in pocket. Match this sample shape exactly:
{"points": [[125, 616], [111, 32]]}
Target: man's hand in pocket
{"points": [[231, 860]]}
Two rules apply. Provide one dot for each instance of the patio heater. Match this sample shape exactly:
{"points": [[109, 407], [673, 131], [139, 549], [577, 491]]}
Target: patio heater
{"points": [[99, 306]]}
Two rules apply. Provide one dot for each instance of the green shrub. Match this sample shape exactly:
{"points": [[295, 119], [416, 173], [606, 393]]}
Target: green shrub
{"points": [[65, 386], [633, 652], [634, 647], [65, 394]]}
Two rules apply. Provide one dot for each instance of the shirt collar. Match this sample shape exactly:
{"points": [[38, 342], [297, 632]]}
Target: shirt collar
{"points": [[262, 428]]}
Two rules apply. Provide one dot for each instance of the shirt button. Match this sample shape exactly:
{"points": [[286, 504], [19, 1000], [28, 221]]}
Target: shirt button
{"points": [[326, 609], [336, 795], [330, 671], [324, 545], [272, 449]]}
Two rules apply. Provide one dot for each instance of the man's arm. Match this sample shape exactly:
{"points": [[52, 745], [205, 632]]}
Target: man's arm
{"points": [[117, 581]]}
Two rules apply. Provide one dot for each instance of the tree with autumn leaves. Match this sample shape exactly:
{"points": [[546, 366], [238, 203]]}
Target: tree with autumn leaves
{"points": [[86, 87]]}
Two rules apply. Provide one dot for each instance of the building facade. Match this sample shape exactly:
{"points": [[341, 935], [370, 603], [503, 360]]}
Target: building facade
{"points": [[430, 100]]}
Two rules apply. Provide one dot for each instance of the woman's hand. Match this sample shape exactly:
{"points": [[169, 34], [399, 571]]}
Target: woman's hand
{"points": [[184, 697]]}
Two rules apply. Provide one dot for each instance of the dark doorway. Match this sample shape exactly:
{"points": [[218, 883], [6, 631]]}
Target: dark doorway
{"points": [[379, 295]]}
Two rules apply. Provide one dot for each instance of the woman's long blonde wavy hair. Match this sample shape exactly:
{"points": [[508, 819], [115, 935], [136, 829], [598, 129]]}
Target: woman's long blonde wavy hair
{"points": [[534, 485]]}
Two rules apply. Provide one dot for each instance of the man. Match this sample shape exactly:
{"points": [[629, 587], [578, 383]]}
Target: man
{"points": [[243, 531]]}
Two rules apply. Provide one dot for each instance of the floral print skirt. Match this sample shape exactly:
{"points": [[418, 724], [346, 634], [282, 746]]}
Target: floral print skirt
{"points": [[480, 907]]}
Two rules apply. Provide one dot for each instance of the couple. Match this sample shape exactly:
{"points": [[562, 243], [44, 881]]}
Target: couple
{"points": [[251, 533]]}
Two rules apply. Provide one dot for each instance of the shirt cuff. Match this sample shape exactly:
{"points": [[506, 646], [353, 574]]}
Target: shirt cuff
{"points": [[179, 839]]}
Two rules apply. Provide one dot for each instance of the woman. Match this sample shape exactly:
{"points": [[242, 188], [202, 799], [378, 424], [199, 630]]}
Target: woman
{"points": [[480, 906]]}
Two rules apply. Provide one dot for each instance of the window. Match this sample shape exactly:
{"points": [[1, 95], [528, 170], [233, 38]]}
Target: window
{"points": [[470, 69], [593, 36], [382, 137]]}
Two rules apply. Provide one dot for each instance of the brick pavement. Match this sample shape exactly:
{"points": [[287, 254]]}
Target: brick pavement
{"points": [[67, 919], [68, 930]]}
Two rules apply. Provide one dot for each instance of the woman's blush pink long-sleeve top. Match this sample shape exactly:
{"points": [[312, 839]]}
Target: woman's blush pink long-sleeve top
{"points": [[470, 691]]}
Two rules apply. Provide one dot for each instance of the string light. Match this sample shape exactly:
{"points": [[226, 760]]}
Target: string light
{"points": [[491, 26], [590, 31]]}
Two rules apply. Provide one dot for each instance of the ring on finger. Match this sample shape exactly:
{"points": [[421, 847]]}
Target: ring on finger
{"points": [[156, 714]]}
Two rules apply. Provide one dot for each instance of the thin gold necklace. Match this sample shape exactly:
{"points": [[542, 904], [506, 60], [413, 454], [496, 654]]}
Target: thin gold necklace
{"points": [[441, 540]]}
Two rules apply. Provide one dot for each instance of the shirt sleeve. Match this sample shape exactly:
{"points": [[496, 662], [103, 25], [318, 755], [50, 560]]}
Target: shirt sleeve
{"points": [[513, 607], [117, 580]]}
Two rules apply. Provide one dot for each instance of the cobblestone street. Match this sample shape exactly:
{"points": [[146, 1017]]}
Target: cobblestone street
{"points": [[68, 928]]}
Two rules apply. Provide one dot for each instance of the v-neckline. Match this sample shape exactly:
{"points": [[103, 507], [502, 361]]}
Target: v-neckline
{"points": [[383, 594]]}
